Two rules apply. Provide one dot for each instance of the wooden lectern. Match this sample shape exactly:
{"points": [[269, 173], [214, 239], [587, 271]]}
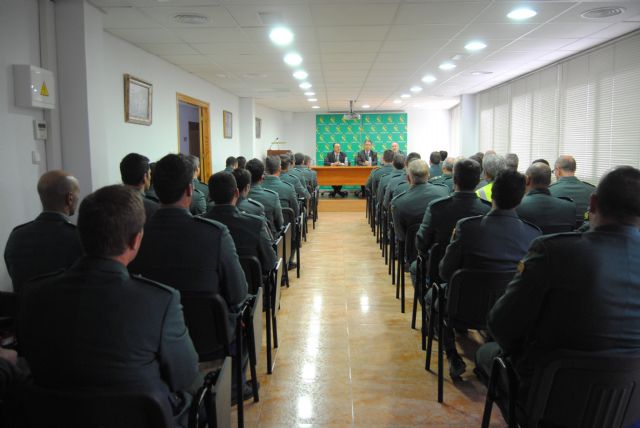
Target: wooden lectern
{"points": [[277, 152]]}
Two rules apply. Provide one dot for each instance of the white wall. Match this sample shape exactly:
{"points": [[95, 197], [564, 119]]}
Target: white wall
{"points": [[301, 134], [19, 44], [275, 124]]}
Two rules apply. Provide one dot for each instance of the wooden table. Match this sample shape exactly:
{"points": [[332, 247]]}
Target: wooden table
{"points": [[343, 175]]}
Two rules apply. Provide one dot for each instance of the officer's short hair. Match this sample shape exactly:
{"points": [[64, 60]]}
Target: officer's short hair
{"points": [[508, 189], [173, 174], [256, 169], [242, 161], [443, 154], [419, 171], [541, 160], [271, 164], [243, 178], [447, 164], [133, 168], [387, 156], [511, 160], [478, 157], [619, 194], [307, 159], [222, 187], [411, 157], [398, 161], [195, 160], [434, 158], [53, 188], [539, 174], [109, 219], [285, 162], [466, 174], [566, 163], [231, 162], [492, 165], [299, 158]]}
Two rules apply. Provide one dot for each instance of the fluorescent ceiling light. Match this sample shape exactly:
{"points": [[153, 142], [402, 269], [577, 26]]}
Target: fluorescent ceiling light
{"points": [[475, 46], [397, 101], [315, 107], [305, 85], [429, 78], [366, 106], [312, 100], [300, 74], [480, 73], [416, 89], [521, 14], [309, 94], [293, 59], [405, 96], [447, 66], [281, 36]]}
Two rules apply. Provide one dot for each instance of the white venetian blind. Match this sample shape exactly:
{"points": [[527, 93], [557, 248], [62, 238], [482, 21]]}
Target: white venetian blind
{"points": [[454, 145], [521, 117], [546, 105]]}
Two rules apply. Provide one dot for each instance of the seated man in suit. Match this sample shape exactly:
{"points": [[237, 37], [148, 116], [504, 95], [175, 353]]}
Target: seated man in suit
{"points": [[550, 214], [395, 148], [446, 177], [246, 204], [569, 186], [136, 173], [250, 233], [495, 241], [575, 291], [97, 327], [268, 198], [198, 199], [435, 167], [398, 184], [50, 242], [367, 157], [336, 158]]}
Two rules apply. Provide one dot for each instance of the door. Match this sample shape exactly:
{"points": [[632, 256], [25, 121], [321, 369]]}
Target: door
{"points": [[194, 132]]}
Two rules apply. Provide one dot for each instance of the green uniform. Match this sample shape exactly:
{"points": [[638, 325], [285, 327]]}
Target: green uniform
{"points": [[249, 206], [577, 190], [435, 170], [198, 203], [271, 203], [445, 179], [547, 212], [385, 179], [203, 188], [296, 171], [374, 177], [390, 191], [285, 192], [408, 208], [299, 187], [310, 176]]}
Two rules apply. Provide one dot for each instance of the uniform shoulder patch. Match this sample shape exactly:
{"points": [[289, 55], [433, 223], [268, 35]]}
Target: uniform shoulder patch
{"points": [[209, 221], [254, 202], [156, 284], [273, 192], [470, 219], [398, 195], [440, 201]]}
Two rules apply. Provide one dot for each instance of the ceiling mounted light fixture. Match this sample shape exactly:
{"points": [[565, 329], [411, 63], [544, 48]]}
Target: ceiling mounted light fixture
{"points": [[405, 96], [603, 12], [366, 106], [416, 89], [480, 73], [447, 66], [281, 36], [429, 78], [316, 107], [300, 74], [397, 101], [312, 100], [191, 19], [305, 85], [309, 94], [293, 59], [521, 14], [475, 46]]}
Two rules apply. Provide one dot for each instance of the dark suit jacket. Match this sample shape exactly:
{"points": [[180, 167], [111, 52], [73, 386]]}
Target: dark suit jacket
{"points": [[574, 291], [331, 158], [441, 216], [542, 209], [96, 326], [361, 158], [47, 244], [150, 206], [191, 253], [250, 233], [495, 241]]}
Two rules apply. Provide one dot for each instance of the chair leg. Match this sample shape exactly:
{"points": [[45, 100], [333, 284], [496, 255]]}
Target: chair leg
{"points": [[414, 312], [269, 355], [239, 386], [401, 286], [423, 311], [398, 276], [440, 346], [298, 259], [274, 322], [430, 329], [252, 366]]}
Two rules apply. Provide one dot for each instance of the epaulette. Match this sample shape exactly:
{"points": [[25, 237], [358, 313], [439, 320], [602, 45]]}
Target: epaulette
{"points": [[588, 184], [270, 191], [25, 224], [561, 235], [440, 184], [253, 217], [209, 221], [45, 275], [398, 195], [439, 200], [528, 223], [254, 202], [152, 282], [470, 219]]}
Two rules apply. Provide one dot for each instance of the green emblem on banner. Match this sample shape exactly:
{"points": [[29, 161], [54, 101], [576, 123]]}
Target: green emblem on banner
{"points": [[344, 137], [367, 119], [384, 128], [401, 118], [321, 119], [332, 138], [401, 137], [332, 119], [395, 128], [378, 118], [390, 119], [349, 147]]}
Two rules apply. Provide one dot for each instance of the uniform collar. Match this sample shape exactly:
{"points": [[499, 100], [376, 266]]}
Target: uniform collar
{"points": [[226, 208], [53, 216], [572, 178], [539, 192], [618, 228], [463, 194], [271, 178], [502, 213], [101, 264], [172, 212]]}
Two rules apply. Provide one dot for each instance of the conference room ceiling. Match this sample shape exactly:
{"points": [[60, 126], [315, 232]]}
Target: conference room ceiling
{"points": [[372, 51]]}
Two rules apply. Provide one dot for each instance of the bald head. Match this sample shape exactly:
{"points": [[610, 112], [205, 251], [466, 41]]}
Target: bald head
{"points": [[565, 166], [538, 176], [58, 191]]}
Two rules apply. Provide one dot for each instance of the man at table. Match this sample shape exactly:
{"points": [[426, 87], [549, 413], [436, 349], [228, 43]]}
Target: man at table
{"points": [[367, 157], [336, 158]]}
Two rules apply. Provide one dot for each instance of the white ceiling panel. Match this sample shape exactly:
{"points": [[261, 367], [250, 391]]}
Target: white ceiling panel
{"points": [[210, 35], [348, 57], [563, 31], [127, 17], [616, 30], [224, 47], [497, 12], [350, 14], [632, 8], [348, 46], [187, 59], [537, 45], [258, 15], [217, 15], [261, 34], [168, 48], [146, 35], [495, 31], [450, 12], [348, 33]]}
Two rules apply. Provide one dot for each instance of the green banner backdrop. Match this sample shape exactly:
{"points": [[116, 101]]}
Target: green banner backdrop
{"points": [[382, 129]]}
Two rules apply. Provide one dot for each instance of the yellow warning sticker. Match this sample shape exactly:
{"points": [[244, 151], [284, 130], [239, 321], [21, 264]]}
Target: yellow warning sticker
{"points": [[43, 90]]}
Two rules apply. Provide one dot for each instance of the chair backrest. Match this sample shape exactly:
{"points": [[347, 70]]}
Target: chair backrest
{"points": [[50, 408], [278, 273], [586, 389], [206, 316], [288, 215], [8, 304], [252, 272], [436, 253], [556, 228], [410, 251], [471, 295]]}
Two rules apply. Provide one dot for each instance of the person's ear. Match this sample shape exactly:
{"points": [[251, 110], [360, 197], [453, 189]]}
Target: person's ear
{"points": [[236, 194], [527, 180], [593, 204], [136, 241], [189, 189]]}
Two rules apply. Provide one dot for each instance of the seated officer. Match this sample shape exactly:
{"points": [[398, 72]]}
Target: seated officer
{"points": [[285, 191], [446, 177], [50, 242], [495, 241], [197, 184], [297, 169], [198, 200], [250, 233], [492, 165], [399, 183], [95, 326], [241, 161], [435, 167], [230, 164], [136, 173], [186, 252], [313, 175], [542, 209], [246, 204], [408, 208], [268, 198], [287, 177], [376, 174], [575, 291], [397, 171], [568, 185]]}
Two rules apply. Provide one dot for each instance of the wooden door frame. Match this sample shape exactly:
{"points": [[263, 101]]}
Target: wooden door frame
{"points": [[205, 132]]}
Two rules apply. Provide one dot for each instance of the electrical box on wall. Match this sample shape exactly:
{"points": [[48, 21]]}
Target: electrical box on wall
{"points": [[34, 87]]}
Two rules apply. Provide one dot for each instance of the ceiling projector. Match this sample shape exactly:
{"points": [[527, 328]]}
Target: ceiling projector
{"points": [[351, 115]]}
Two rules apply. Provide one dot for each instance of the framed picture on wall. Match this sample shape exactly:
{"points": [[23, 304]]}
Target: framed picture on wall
{"points": [[227, 124], [258, 127], [138, 97]]}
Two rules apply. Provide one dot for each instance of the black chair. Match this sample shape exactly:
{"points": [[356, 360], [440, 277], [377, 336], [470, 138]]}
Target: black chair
{"points": [[556, 228], [471, 294], [426, 275], [253, 273], [215, 397], [572, 389], [289, 233], [393, 254], [8, 310], [39, 407]]}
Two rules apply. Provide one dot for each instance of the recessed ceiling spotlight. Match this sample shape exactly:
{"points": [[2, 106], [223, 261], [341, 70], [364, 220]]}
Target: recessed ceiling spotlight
{"points": [[429, 78], [416, 89], [480, 73], [221, 75], [316, 107], [447, 66], [312, 100], [603, 12], [309, 93], [293, 59], [366, 106], [405, 96], [475, 46], [521, 14], [281, 36], [305, 85], [397, 101], [300, 74], [191, 19]]}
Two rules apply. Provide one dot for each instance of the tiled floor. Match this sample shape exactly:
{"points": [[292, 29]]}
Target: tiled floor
{"points": [[347, 356]]}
